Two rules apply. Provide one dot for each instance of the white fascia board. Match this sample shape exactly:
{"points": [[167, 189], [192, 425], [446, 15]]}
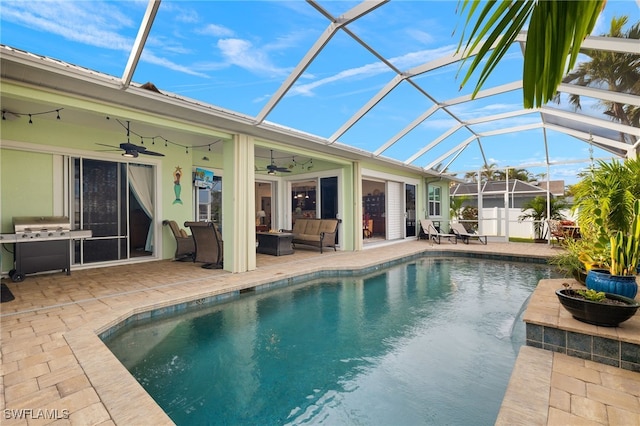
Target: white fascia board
{"points": [[16, 57]]}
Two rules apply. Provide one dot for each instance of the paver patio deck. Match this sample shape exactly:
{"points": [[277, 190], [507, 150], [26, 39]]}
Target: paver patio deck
{"points": [[54, 364]]}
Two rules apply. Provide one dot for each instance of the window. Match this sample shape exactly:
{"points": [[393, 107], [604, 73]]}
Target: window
{"points": [[435, 201]]}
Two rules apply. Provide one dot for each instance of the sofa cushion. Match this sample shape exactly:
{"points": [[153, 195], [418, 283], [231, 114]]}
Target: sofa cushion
{"points": [[307, 237], [300, 226], [313, 227], [328, 225]]}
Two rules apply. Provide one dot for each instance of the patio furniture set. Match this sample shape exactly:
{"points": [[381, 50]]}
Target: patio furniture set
{"points": [[205, 244]]}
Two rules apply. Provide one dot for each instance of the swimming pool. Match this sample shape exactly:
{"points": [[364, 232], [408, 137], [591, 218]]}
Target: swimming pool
{"points": [[431, 341]]}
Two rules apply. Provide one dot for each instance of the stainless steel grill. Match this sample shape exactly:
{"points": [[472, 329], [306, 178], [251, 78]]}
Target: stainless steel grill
{"points": [[42, 243]]}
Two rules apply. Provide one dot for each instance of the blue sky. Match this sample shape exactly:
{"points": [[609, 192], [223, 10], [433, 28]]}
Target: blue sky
{"points": [[236, 54]]}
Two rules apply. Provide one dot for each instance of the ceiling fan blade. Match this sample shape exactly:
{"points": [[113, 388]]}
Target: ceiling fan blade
{"points": [[128, 146], [115, 148]]}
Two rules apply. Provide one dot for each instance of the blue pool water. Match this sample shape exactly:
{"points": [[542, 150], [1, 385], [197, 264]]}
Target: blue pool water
{"points": [[429, 342]]}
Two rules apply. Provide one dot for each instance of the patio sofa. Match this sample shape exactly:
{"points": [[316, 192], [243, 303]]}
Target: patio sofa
{"points": [[315, 232]]}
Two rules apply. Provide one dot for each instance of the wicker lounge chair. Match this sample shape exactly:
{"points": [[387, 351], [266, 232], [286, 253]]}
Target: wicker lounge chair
{"points": [[185, 246], [209, 246]]}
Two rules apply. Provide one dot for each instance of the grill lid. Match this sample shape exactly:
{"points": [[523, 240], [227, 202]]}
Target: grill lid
{"points": [[38, 223]]}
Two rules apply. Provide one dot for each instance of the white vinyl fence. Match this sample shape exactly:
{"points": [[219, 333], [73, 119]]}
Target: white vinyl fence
{"points": [[495, 222]]}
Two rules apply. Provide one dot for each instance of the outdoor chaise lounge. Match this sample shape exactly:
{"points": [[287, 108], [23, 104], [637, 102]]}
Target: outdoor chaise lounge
{"points": [[433, 234], [460, 231], [209, 247]]}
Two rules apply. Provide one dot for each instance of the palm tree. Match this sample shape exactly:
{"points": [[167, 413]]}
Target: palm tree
{"points": [[513, 173], [471, 177], [488, 172], [556, 31], [619, 72], [536, 210], [456, 206]]}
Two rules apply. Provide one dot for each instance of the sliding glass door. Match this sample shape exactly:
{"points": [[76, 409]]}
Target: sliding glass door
{"points": [[116, 202]]}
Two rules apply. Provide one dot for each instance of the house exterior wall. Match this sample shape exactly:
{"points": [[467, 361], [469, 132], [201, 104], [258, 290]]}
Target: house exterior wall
{"points": [[32, 184]]}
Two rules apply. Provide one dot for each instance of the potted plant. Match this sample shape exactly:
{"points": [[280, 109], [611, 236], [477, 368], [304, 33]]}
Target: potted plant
{"points": [[569, 262], [598, 308], [624, 254]]}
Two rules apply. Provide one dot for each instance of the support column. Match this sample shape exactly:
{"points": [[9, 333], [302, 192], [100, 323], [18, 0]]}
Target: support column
{"points": [[357, 206], [238, 191]]}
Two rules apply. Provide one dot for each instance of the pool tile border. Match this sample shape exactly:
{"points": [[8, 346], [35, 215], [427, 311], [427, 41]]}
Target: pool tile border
{"points": [[593, 348], [152, 312]]}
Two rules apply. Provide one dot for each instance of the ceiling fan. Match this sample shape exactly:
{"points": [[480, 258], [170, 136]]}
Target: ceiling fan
{"points": [[272, 168], [132, 150]]}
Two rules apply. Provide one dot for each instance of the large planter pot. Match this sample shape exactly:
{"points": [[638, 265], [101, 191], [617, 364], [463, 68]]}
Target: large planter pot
{"points": [[602, 280], [580, 275], [598, 313]]}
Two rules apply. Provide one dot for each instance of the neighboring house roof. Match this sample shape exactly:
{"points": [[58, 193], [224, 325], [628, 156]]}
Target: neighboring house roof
{"points": [[556, 187], [497, 187]]}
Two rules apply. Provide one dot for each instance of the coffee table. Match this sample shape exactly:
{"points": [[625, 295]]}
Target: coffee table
{"points": [[275, 243]]}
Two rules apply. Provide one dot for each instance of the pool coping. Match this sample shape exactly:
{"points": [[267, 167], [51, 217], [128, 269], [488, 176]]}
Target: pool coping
{"points": [[128, 402], [555, 381]]}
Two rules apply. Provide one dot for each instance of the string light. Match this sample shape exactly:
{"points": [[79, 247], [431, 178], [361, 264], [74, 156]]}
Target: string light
{"points": [[11, 115], [6, 114], [167, 141]]}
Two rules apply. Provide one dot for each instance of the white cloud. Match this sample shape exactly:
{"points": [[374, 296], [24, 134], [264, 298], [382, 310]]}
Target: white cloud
{"points": [[150, 57], [421, 36], [369, 69], [243, 54], [407, 61], [215, 31], [91, 23]]}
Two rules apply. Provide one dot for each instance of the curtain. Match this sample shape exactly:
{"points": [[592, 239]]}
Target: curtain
{"points": [[141, 184]]}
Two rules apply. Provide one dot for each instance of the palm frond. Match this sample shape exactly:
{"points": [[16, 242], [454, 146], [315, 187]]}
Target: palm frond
{"points": [[556, 31]]}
